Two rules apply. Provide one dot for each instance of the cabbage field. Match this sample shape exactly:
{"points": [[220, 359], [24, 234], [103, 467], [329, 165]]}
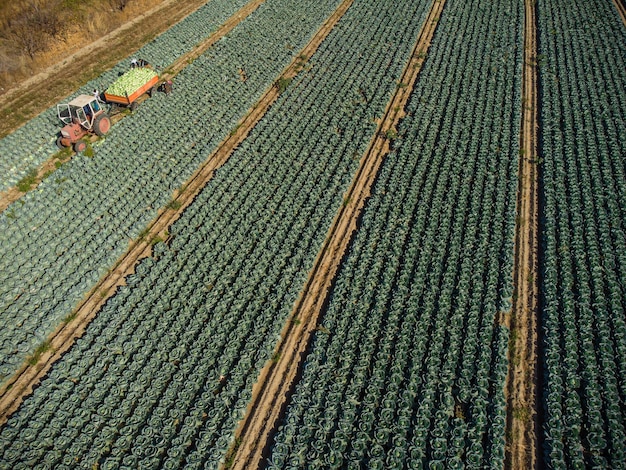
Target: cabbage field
{"points": [[60, 239], [408, 365], [214, 301], [583, 76]]}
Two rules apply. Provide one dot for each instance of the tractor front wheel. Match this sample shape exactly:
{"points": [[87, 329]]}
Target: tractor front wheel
{"points": [[80, 146], [102, 124], [60, 142]]}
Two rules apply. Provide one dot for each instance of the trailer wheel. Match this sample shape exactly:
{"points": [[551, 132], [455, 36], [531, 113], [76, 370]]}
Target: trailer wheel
{"points": [[152, 91], [133, 106], [101, 125], [60, 142], [80, 146]]}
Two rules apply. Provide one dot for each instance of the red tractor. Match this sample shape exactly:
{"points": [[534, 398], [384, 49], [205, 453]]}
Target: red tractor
{"points": [[82, 116]]}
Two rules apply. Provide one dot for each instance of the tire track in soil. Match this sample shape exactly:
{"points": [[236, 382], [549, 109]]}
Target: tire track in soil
{"points": [[13, 194], [18, 387], [277, 379], [522, 425]]}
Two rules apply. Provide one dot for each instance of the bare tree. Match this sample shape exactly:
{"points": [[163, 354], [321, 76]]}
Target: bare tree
{"points": [[119, 4], [21, 33], [31, 29], [46, 16]]}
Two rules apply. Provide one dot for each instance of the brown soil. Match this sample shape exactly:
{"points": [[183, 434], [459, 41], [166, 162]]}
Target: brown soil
{"points": [[11, 195], [276, 380], [15, 389], [522, 419], [621, 9]]}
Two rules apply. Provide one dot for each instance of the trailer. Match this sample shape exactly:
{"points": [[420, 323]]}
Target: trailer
{"points": [[127, 89]]}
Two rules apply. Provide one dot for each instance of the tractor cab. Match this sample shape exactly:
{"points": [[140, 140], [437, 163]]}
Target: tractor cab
{"points": [[81, 116], [81, 110]]}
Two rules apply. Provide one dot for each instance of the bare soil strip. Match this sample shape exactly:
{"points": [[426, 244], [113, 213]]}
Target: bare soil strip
{"points": [[15, 389], [522, 390], [13, 194], [278, 377], [621, 9]]}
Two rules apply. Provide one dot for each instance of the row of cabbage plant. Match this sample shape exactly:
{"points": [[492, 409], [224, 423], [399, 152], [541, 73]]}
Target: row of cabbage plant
{"points": [[409, 368], [164, 372], [582, 72], [60, 239], [35, 142]]}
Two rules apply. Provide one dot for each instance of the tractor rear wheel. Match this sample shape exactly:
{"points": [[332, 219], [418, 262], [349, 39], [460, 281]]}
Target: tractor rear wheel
{"points": [[101, 125], [80, 146]]}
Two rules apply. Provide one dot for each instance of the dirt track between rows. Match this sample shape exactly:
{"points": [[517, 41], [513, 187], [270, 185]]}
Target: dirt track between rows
{"points": [[277, 378], [522, 395], [11, 195], [14, 390]]}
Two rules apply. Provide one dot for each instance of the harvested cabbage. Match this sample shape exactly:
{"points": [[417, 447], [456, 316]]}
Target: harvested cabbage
{"points": [[131, 81]]}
